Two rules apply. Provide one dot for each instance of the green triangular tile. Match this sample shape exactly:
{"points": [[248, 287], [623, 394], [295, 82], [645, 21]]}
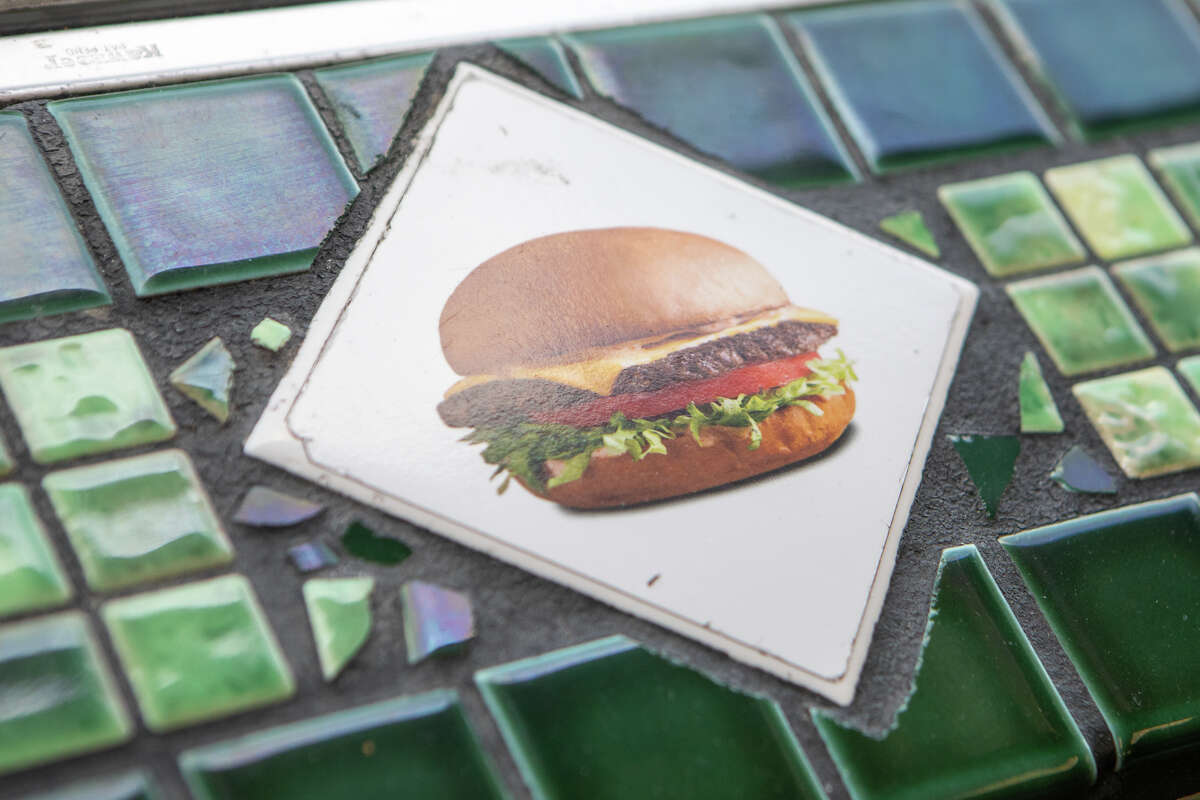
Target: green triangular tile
{"points": [[1039, 414], [909, 227], [339, 610], [207, 378], [990, 461]]}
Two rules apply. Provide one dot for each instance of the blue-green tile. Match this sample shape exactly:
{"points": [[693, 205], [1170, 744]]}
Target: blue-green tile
{"points": [[135, 785], [546, 57], [31, 577]]}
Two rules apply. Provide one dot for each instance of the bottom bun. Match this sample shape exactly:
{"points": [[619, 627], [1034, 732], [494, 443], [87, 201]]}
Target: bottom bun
{"points": [[789, 435]]}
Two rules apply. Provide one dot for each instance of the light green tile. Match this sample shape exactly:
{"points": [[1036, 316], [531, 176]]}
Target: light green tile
{"points": [[1117, 206], [271, 334], [1081, 320], [207, 378], [339, 610], [1166, 288], [198, 652], [138, 519], [82, 395], [1146, 420], [1179, 169], [1011, 223], [7, 464], [909, 227], [1039, 413], [1189, 368], [30, 575]]}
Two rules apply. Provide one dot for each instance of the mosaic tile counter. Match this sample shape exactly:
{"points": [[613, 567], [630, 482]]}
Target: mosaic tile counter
{"points": [[185, 616]]}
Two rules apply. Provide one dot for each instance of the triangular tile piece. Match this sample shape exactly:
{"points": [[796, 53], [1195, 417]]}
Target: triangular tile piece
{"points": [[207, 378], [339, 610], [434, 619], [990, 461], [1039, 413], [909, 227], [1076, 471], [544, 56], [263, 507]]}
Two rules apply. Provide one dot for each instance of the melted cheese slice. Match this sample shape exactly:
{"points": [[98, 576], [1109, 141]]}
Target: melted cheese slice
{"points": [[599, 370]]}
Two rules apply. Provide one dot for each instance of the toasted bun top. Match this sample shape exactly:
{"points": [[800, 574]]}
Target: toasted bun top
{"points": [[566, 293]]}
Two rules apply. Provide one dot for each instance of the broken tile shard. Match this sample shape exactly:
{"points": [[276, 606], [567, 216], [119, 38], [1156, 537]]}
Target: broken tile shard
{"points": [[1076, 471], [263, 507], [434, 619], [339, 610], [989, 461], [1039, 413], [362, 542], [271, 334], [909, 227], [312, 556], [207, 378]]}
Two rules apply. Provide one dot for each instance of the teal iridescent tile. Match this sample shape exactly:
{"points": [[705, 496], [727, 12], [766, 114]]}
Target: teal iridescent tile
{"points": [[1011, 223], [411, 747], [339, 611], [1120, 592], [207, 378], [371, 100], [208, 183], [1166, 289], [1039, 412], [886, 68], [1117, 206], [1113, 65], [546, 57], [46, 268], [31, 577], [1179, 170], [728, 86], [983, 718], [57, 698], [197, 652], [910, 228], [1078, 472], [82, 395], [264, 507], [135, 785], [989, 461], [610, 719], [435, 619], [1149, 424], [138, 519], [1081, 320]]}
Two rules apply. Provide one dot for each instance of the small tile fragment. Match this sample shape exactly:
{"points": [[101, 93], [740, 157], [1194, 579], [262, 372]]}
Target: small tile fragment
{"points": [[312, 556], [1012, 224], [1117, 206], [1039, 413], [407, 747], [207, 378], [31, 577], [545, 56], [1009, 734], [7, 465], [989, 461], [1148, 423], [1179, 170], [264, 507], [909, 227], [135, 785], [197, 652], [1078, 472], [339, 611], [271, 335], [1189, 368], [435, 618], [1166, 289], [362, 542]]}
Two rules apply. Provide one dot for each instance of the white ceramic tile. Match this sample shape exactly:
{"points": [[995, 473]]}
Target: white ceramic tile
{"points": [[787, 572]]}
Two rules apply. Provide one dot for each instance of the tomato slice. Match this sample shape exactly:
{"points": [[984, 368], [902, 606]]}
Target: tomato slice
{"points": [[744, 380]]}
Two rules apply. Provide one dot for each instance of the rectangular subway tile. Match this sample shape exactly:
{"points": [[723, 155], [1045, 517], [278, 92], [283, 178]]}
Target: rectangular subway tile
{"points": [[31, 577], [1166, 289], [1179, 169]]}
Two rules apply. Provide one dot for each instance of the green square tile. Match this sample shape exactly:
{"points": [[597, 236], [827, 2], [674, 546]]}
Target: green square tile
{"points": [[57, 697], [82, 395], [1117, 206], [1011, 223], [198, 652], [1081, 320], [30, 575], [1179, 169], [1189, 368], [1147, 421], [138, 519], [1166, 288]]}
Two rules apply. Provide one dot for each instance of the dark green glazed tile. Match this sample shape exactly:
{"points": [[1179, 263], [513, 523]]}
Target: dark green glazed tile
{"points": [[909, 227], [208, 183], [409, 747], [197, 652], [546, 57], [339, 611], [983, 719], [82, 395], [30, 575], [609, 720], [1039, 413], [1076, 471], [728, 86], [886, 68], [371, 100], [1117, 206], [46, 268], [207, 378], [57, 698], [989, 461], [362, 542], [1120, 591], [126, 786], [1166, 288], [1179, 169], [1012, 224], [1081, 320], [138, 519], [1148, 423], [1113, 65]]}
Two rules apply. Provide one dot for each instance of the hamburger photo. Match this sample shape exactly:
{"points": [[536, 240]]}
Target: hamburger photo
{"points": [[617, 366]]}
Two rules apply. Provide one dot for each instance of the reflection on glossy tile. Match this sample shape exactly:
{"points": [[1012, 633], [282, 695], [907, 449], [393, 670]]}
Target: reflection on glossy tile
{"points": [[208, 183], [1179, 169], [197, 652], [885, 65], [1039, 414], [339, 611], [126, 786], [138, 519], [57, 698], [1076, 471], [46, 268], [312, 556], [728, 86], [271, 334], [264, 507], [1081, 320], [1119, 589], [30, 575], [82, 395], [434, 619], [1011, 223], [1117, 206], [544, 56], [1008, 734], [409, 747], [1166, 288], [989, 461], [909, 227], [362, 542], [1146, 420], [1113, 64], [207, 378], [609, 719], [372, 99]]}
